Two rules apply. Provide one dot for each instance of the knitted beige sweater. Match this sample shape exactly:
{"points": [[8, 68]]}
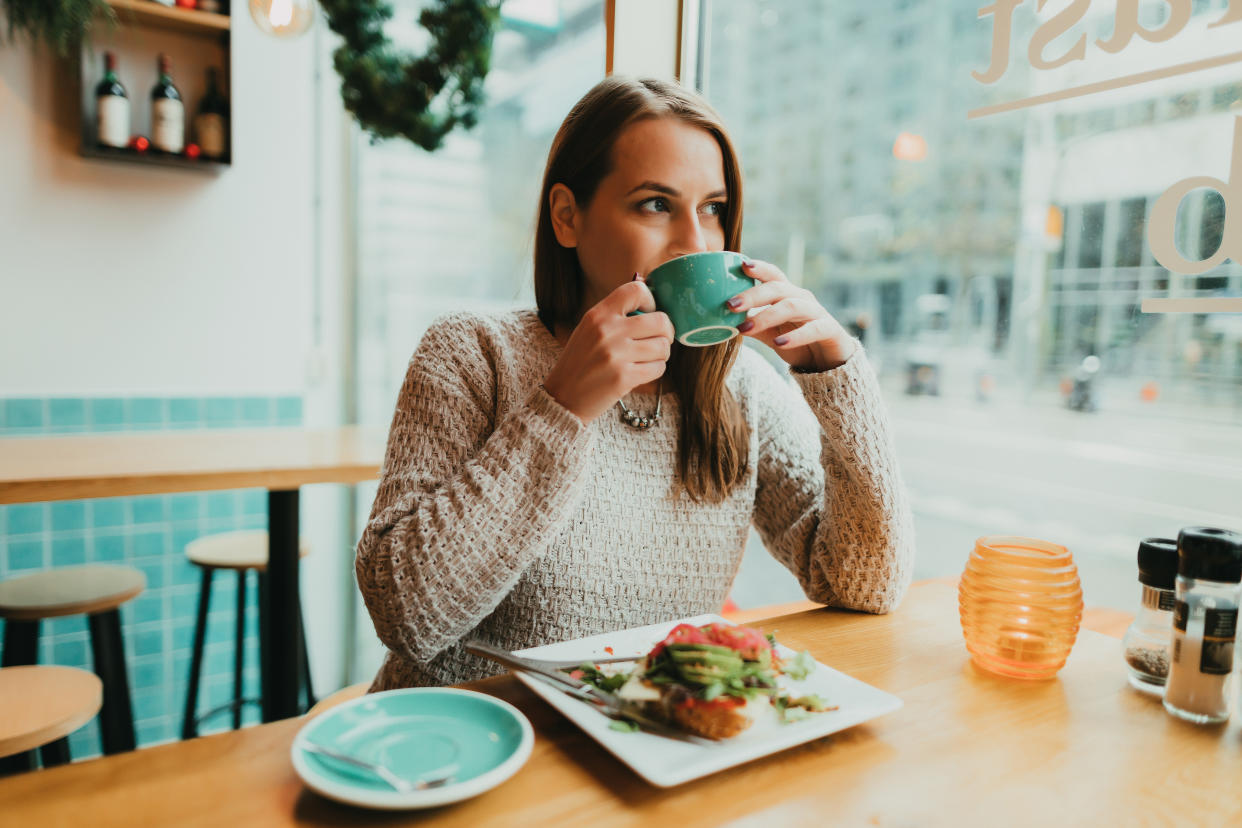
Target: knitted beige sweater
{"points": [[500, 515]]}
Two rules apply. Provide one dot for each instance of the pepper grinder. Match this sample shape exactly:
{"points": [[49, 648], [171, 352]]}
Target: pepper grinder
{"points": [[1149, 639]]}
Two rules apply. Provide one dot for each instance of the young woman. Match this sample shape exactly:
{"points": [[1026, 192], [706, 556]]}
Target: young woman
{"points": [[518, 506]]}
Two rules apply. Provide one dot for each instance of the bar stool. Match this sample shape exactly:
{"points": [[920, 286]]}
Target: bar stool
{"points": [[96, 591], [240, 551], [40, 706]]}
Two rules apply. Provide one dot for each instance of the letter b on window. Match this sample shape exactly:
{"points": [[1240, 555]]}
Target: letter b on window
{"points": [[1161, 229]]}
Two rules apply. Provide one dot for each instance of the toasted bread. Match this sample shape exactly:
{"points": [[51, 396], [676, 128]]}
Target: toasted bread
{"points": [[723, 718], [711, 722]]}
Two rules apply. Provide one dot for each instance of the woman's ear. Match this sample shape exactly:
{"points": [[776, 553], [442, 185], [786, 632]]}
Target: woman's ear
{"points": [[563, 209]]}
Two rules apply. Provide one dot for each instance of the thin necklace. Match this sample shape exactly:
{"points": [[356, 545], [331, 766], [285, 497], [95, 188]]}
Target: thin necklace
{"points": [[636, 420]]}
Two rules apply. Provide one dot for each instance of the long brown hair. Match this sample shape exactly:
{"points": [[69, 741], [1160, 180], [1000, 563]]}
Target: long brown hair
{"points": [[713, 445]]}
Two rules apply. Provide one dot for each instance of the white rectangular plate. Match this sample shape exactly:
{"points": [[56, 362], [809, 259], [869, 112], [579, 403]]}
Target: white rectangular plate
{"points": [[665, 762]]}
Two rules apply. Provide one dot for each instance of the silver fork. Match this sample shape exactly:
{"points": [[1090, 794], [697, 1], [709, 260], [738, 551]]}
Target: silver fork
{"points": [[569, 665], [399, 784]]}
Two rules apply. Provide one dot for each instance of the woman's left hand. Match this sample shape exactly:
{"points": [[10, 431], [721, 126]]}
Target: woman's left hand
{"points": [[795, 324]]}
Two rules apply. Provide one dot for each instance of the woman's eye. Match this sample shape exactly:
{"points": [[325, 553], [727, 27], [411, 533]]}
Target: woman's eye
{"points": [[656, 205], [715, 208]]}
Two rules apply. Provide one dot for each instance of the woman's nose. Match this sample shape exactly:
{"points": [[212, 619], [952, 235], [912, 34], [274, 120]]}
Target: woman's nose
{"points": [[688, 236]]}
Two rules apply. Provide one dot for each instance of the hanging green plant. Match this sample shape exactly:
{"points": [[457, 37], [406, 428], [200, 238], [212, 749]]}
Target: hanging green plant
{"points": [[393, 94], [60, 24]]}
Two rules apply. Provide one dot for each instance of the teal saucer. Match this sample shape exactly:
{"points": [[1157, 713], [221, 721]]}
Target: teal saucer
{"points": [[417, 733]]}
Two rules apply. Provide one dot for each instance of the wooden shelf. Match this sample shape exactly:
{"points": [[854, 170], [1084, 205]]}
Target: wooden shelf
{"points": [[195, 40], [150, 13], [154, 158]]}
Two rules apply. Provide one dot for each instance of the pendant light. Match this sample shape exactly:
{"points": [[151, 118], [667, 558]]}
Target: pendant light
{"points": [[283, 18]]}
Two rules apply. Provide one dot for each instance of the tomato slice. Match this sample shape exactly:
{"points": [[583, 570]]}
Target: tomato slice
{"points": [[748, 641], [681, 634]]}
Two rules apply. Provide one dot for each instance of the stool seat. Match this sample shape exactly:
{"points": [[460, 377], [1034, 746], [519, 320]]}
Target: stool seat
{"points": [[235, 550], [72, 590], [40, 704]]}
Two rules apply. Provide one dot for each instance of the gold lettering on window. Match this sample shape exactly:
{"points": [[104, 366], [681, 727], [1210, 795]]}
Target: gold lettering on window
{"points": [[1126, 24], [1161, 228], [1002, 31], [1054, 27]]}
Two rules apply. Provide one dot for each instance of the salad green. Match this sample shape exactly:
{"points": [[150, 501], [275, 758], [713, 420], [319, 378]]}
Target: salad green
{"points": [[713, 662]]}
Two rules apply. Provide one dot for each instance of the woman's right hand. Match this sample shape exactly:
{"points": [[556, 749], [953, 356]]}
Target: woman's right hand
{"points": [[609, 353]]}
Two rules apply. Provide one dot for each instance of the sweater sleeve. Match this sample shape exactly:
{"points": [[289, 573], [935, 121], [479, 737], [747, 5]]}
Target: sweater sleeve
{"points": [[465, 503], [830, 503]]}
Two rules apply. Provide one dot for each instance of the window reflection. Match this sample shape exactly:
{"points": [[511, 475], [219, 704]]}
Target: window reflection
{"points": [[1016, 247]]}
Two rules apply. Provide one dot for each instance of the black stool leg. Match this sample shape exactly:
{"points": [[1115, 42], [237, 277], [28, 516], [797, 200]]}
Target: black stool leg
{"points": [[280, 695], [17, 763], [189, 728], [116, 717], [306, 670], [21, 643], [239, 660], [55, 753], [265, 675]]}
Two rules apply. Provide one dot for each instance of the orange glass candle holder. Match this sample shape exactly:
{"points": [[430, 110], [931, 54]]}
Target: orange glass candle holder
{"points": [[1021, 603]]}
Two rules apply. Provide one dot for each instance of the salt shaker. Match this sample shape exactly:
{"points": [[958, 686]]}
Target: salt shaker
{"points": [[1205, 618], [1148, 640]]}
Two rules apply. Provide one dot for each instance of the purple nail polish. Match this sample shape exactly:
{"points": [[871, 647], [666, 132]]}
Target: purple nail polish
{"points": [[636, 277], [746, 326], [781, 340], [734, 302]]}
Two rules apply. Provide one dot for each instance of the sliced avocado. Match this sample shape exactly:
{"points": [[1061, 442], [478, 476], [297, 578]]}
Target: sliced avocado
{"points": [[707, 654]]}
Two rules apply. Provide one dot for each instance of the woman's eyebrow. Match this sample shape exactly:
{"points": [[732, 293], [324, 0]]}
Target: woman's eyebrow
{"points": [[669, 191]]}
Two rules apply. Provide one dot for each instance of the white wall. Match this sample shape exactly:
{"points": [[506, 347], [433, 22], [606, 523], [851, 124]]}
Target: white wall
{"points": [[121, 279], [118, 279]]}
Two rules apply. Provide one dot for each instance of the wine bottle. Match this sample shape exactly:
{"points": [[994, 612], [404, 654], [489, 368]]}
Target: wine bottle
{"points": [[111, 107], [211, 125], [167, 113]]}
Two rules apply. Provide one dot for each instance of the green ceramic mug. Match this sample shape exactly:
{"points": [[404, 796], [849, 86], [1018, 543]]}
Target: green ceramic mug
{"points": [[693, 290]]}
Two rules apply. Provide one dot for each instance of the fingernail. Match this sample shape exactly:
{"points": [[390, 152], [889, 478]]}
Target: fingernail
{"points": [[747, 263], [745, 326], [734, 302], [781, 340], [636, 277]]}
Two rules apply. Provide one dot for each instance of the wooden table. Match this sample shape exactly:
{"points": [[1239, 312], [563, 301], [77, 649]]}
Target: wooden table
{"points": [[968, 748], [277, 459]]}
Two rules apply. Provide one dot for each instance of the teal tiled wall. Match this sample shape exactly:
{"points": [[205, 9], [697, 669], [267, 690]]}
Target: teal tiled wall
{"points": [[149, 533]]}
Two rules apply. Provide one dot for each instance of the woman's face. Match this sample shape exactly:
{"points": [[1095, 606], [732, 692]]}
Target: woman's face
{"points": [[665, 197]]}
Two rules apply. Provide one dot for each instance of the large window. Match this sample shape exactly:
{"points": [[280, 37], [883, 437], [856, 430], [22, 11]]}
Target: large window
{"points": [[983, 260], [989, 257], [453, 230]]}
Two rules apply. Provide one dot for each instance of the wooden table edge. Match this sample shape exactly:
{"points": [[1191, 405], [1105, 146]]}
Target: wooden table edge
{"points": [[78, 488]]}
